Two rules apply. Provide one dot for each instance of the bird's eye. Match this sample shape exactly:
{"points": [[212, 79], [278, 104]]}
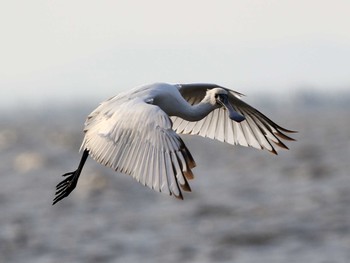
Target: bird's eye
{"points": [[216, 96]]}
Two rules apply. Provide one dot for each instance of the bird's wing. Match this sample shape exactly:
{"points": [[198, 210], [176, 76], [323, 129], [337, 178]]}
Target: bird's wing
{"points": [[256, 130], [136, 138]]}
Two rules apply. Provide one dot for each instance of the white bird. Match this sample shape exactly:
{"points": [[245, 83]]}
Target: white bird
{"points": [[137, 132]]}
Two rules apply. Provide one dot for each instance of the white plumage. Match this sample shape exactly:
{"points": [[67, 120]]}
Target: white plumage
{"points": [[136, 132]]}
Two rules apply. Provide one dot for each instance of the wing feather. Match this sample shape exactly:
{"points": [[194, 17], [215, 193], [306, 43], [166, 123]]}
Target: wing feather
{"points": [[136, 138], [257, 130], [205, 128], [197, 127], [220, 133], [156, 175], [164, 179], [212, 124]]}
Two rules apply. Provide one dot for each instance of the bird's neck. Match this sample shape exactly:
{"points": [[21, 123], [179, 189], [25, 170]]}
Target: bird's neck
{"points": [[198, 111]]}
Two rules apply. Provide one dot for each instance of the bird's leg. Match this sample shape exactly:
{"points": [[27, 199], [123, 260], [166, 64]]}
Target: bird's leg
{"points": [[65, 187]]}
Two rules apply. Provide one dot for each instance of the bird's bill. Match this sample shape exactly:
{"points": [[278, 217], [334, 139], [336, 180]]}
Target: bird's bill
{"points": [[234, 115]]}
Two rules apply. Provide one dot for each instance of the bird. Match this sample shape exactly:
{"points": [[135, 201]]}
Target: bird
{"points": [[138, 133]]}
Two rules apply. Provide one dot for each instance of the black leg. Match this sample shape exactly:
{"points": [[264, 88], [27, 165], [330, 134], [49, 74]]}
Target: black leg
{"points": [[65, 187]]}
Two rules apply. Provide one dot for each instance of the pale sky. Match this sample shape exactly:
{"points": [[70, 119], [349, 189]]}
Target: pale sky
{"points": [[76, 50]]}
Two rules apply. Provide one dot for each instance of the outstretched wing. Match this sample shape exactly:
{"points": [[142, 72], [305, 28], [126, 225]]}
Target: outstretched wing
{"points": [[256, 130], [136, 138]]}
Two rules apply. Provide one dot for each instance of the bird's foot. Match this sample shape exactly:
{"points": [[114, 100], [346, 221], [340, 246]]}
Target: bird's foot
{"points": [[65, 187]]}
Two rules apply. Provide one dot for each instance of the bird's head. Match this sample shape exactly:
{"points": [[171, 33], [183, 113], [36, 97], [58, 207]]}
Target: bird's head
{"points": [[219, 97]]}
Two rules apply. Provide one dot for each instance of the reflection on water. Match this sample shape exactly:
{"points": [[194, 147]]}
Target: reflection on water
{"points": [[246, 205]]}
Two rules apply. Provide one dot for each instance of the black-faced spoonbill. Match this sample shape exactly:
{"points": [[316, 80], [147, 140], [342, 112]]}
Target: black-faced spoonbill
{"points": [[137, 132]]}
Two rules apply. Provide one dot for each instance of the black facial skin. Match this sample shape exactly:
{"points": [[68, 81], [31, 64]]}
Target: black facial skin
{"points": [[221, 99]]}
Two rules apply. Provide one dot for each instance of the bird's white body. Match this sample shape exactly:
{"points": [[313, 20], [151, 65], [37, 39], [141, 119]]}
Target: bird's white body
{"points": [[165, 96], [137, 132]]}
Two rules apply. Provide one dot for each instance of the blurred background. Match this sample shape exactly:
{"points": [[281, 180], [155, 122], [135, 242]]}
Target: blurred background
{"points": [[59, 59]]}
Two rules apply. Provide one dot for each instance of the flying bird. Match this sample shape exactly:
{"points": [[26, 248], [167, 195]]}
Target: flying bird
{"points": [[137, 132]]}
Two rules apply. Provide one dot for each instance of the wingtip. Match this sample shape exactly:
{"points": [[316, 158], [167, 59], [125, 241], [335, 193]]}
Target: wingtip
{"points": [[283, 136], [287, 130], [273, 151], [180, 196], [186, 187], [281, 145], [188, 174]]}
